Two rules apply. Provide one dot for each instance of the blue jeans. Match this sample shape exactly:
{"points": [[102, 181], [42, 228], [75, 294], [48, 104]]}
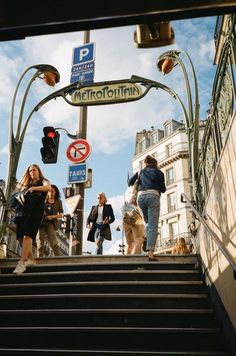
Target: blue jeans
{"points": [[149, 203], [99, 240]]}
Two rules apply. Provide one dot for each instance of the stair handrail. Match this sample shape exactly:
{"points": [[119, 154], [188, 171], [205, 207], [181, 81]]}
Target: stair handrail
{"points": [[201, 218]]}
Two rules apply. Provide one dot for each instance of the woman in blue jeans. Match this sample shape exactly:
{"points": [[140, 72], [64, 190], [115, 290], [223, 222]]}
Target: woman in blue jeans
{"points": [[151, 184]]}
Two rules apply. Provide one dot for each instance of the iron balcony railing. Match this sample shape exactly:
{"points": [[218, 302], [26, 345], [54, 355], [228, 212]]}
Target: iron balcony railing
{"points": [[167, 243]]}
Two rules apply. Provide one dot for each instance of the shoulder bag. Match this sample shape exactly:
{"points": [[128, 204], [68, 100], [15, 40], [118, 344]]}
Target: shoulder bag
{"points": [[134, 192]]}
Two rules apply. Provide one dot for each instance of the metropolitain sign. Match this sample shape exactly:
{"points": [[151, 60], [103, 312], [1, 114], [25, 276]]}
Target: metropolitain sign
{"points": [[107, 93], [110, 92]]}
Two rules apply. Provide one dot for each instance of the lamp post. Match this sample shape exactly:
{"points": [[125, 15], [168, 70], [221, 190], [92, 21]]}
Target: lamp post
{"points": [[122, 245], [50, 76], [165, 63]]}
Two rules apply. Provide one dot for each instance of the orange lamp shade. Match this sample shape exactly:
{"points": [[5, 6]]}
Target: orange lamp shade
{"points": [[166, 65], [50, 78]]}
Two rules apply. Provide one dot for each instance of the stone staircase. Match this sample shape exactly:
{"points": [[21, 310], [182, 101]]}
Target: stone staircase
{"points": [[108, 305]]}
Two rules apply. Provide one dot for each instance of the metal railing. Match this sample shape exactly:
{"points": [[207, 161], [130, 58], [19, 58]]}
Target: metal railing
{"points": [[223, 249]]}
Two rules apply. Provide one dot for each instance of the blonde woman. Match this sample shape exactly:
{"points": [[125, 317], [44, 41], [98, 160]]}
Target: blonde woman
{"points": [[98, 222], [180, 247], [28, 224]]}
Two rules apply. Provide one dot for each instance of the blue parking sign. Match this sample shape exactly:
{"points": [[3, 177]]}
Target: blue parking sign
{"points": [[82, 72], [82, 54]]}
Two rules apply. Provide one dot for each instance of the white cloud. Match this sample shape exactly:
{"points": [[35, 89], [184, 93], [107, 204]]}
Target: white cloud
{"points": [[4, 150], [8, 69], [207, 51]]}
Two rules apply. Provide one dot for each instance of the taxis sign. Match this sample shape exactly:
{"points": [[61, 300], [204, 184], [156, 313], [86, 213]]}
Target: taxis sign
{"points": [[107, 93]]}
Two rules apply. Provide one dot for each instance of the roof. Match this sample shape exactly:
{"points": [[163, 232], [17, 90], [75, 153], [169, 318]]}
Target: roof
{"points": [[20, 19]]}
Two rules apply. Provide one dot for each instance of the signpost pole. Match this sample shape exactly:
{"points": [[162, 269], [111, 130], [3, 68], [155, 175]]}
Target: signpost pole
{"points": [[77, 244]]}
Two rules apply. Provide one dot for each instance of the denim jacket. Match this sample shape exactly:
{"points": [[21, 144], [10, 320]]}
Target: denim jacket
{"points": [[149, 178]]}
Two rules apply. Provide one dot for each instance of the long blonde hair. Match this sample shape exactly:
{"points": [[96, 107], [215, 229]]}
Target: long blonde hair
{"points": [[26, 179], [180, 248]]}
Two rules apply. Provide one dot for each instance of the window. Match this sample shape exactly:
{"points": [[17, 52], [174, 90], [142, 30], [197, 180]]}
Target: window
{"points": [[171, 202], [148, 142], [154, 139], [169, 150], [142, 146], [170, 176], [168, 129], [173, 229]]}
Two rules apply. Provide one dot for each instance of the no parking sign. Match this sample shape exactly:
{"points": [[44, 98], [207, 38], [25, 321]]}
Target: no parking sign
{"points": [[78, 151]]}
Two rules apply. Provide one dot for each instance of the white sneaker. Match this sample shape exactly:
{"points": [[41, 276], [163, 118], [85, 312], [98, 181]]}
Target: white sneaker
{"points": [[20, 268], [30, 262]]}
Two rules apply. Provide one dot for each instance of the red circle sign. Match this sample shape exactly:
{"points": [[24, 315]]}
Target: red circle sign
{"points": [[78, 151]]}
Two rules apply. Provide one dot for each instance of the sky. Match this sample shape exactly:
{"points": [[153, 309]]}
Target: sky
{"points": [[111, 129]]}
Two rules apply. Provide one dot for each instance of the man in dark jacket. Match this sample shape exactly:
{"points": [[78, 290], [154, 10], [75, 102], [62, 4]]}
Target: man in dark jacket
{"points": [[98, 221], [151, 184]]}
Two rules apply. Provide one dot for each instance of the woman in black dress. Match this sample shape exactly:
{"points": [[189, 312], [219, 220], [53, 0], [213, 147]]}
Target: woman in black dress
{"points": [[36, 186]]}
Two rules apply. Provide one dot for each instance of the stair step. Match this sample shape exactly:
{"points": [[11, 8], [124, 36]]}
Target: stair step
{"points": [[109, 317], [79, 352], [31, 276], [107, 260], [103, 300], [131, 338], [103, 286], [105, 266]]}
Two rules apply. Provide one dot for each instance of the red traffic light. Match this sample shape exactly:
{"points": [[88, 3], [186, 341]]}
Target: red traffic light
{"points": [[50, 141], [49, 131], [51, 134]]}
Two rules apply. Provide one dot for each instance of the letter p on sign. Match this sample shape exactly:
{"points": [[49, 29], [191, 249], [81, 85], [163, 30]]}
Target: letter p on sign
{"points": [[83, 54]]}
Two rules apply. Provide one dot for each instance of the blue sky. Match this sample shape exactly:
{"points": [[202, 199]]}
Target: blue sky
{"points": [[111, 129]]}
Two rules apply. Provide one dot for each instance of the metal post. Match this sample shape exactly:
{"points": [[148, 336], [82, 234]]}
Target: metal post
{"points": [[192, 126], [77, 244]]}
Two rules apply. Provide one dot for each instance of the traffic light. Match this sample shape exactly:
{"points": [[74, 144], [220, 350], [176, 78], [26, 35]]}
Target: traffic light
{"points": [[157, 34], [50, 141]]}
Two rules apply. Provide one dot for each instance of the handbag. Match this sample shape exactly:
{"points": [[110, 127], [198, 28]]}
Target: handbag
{"points": [[18, 198], [134, 193], [19, 208], [23, 199], [13, 202]]}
